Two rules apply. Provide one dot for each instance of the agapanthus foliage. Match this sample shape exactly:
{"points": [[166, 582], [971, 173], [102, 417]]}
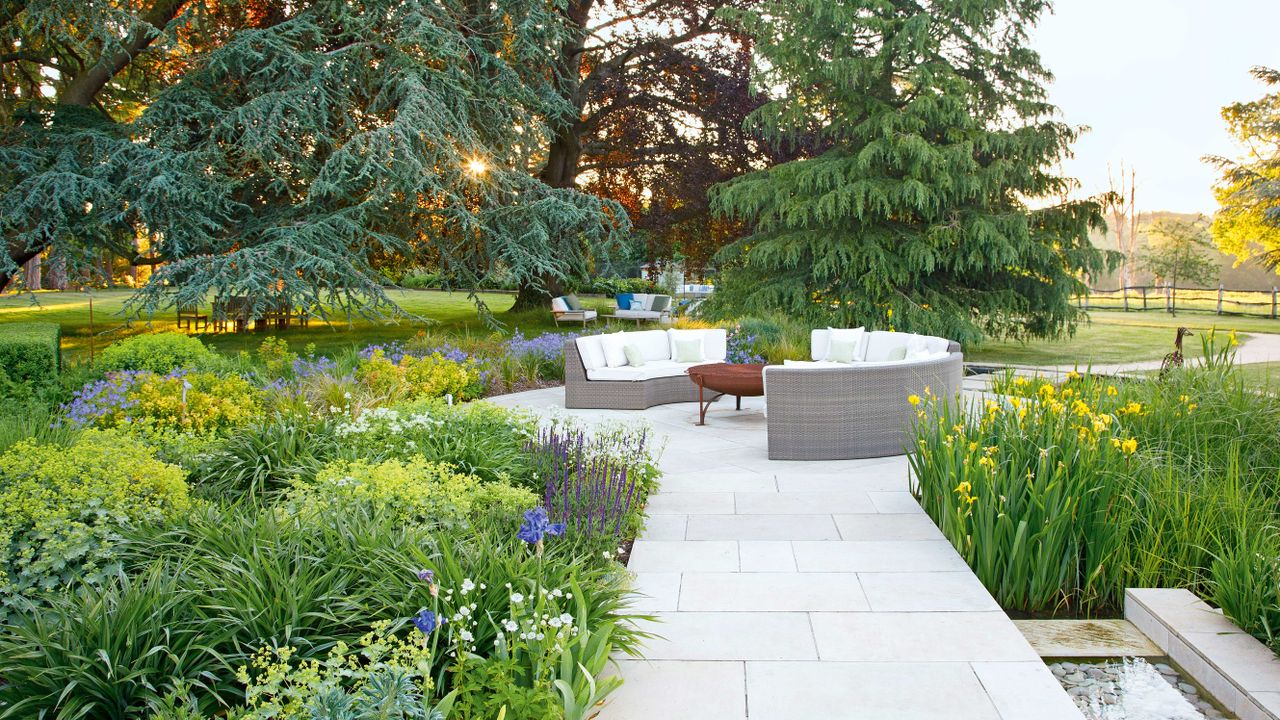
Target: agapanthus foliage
{"points": [[936, 203], [303, 142]]}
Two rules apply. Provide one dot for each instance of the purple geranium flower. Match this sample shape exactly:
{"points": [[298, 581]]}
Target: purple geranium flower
{"points": [[537, 525], [425, 621]]}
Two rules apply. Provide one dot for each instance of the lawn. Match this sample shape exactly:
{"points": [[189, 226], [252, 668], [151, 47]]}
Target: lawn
{"points": [[1117, 337], [427, 310]]}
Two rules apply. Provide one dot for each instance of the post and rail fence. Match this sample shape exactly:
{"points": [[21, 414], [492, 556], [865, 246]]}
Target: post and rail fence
{"points": [[1220, 300]]}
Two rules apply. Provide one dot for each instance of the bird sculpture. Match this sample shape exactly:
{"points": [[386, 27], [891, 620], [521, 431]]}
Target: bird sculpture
{"points": [[1174, 359]]}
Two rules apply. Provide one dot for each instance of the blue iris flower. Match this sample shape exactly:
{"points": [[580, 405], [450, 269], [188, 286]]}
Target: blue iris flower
{"points": [[537, 525], [425, 621]]}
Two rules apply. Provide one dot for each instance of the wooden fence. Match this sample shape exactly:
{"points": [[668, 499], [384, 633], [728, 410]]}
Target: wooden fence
{"points": [[1221, 301]]}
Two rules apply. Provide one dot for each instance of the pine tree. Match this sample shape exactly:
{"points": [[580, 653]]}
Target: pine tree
{"points": [[288, 156], [936, 208]]}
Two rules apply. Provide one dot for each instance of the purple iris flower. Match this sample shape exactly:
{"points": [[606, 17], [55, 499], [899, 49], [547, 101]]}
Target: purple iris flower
{"points": [[427, 575], [537, 525], [425, 621]]}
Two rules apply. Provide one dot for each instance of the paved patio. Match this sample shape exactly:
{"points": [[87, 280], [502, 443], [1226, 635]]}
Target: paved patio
{"points": [[792, 590]]}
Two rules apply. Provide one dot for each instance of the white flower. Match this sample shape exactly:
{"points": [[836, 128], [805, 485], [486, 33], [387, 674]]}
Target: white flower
{"points": [[555, 622], [466, 636], [346, 395], [566, 618], [464, 611], [557, 593], [517, 598], [467, 586], [510, 625], [540, 636]]}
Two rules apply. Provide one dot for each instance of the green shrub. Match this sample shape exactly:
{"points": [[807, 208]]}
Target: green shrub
{"points": [[62, 507], [476, 438], [157, 352], [416, 491], [414, 378], [30, 360], [198, 402], [30, 352]]}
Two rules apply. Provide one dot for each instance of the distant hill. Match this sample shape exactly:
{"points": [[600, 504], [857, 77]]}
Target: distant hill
{"points": [[1249, 276]]}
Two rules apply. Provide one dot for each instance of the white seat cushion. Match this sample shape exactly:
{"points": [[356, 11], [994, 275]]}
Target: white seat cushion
{"points": [[649, 371], [633, 314]]}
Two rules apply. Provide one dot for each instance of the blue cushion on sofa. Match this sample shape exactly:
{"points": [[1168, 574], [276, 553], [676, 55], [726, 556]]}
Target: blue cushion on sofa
{"points": [[624, 300]]}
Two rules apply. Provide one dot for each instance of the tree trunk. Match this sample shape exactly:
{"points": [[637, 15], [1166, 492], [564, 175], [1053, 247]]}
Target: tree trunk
{"points": [[31, 274], [56, 277], [565, 153]]}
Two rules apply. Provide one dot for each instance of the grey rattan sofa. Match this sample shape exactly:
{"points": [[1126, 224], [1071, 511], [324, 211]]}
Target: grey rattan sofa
{"points": [[590, 383], [821, 411]]}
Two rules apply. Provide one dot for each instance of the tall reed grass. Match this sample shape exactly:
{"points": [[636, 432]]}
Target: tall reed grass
{"points": [[1062, 495]]}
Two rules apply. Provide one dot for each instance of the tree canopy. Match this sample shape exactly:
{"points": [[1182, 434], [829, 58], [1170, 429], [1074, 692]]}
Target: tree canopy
{"points": [[267, 148], [1248, 220], [1177, 252], [936, 207]]}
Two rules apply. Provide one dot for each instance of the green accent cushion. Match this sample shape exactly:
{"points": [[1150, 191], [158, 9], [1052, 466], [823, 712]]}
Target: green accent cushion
{"points": [[634, 357], [661, 303], [689, 350], [573, 302], [898, 353], [842, 351]]}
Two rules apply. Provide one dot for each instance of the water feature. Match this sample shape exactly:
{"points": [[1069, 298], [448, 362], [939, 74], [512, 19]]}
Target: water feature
{"points": [[1133, 689]]}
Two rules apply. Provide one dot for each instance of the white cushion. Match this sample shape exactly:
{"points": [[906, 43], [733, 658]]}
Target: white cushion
{"points": [[880, 344], [715, 345], [649, 371], [918, 347], [591, 351], [645, 300], [652, 343], [811, 364], [820, 341], [632, 314], [559, 305], [698, 335], [856, 336], [613, 344]]}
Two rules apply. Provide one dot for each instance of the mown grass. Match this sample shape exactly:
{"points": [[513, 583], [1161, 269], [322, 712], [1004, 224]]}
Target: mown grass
{"points": [[425, 310]]}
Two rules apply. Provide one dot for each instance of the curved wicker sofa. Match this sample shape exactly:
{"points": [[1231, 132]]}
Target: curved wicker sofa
{"points": [[854, 411], [583, 392]]}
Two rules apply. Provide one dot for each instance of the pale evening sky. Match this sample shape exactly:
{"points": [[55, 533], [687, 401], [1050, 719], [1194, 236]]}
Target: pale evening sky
{"points": [[1150, 78]]}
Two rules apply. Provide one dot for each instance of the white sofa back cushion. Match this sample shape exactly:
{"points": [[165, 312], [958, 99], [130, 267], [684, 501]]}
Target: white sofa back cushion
{"points": [[653, 344], [881, 345], [591, 352], [714, 343], [613, 344], [820, 342], [559, 305]]}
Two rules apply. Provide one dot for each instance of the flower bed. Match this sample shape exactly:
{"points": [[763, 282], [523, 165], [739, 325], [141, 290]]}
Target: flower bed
{"points": [[1062, 495], [285, 536]]}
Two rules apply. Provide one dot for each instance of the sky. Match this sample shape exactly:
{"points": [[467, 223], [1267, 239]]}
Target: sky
{"points": [[1150, 77]]}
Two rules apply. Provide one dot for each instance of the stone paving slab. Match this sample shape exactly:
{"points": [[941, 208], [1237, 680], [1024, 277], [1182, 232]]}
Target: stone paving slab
{"points": [[788, 590], [866, 691]]}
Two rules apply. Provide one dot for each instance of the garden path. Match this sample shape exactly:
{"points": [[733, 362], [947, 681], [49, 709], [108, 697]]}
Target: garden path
{"points": [[791, 590]]}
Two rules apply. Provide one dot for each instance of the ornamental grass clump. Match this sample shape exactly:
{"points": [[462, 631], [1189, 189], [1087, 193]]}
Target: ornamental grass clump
{"points": [[1169, 482], [1027, 493]]}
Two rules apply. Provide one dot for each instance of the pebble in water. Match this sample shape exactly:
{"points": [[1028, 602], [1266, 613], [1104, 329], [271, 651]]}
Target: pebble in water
{"points": [[1098, 689]]}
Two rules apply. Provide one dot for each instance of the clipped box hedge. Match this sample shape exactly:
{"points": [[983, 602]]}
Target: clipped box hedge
{"points": [[30, 351]]}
